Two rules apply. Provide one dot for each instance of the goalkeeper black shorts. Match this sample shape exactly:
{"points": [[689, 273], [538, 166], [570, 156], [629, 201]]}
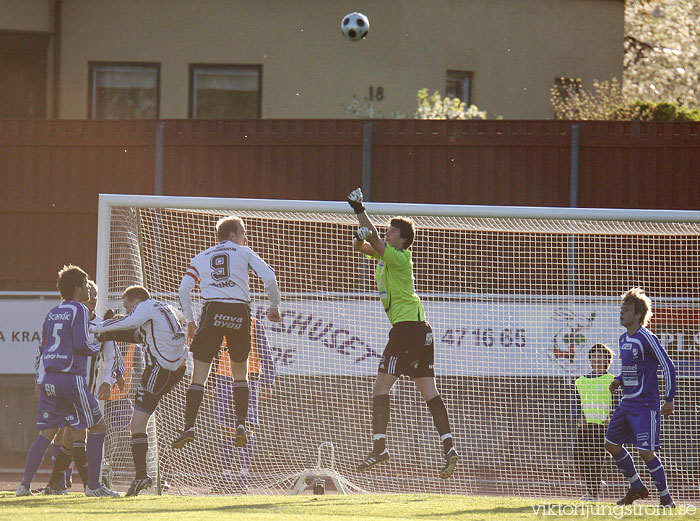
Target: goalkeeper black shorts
{"points": [[410, 350], [219, 320]]}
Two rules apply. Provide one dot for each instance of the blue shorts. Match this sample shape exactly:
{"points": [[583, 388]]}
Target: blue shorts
{"points": [[65, 399], [638, 425], [225, 415]]}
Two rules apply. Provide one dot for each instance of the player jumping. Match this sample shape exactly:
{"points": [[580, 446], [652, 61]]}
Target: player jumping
{"points": [[410, 349], [222, 274]]}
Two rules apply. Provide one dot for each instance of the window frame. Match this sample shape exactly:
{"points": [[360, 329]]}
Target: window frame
{"points": [[464, 74], [224, 67], [94, 65]]}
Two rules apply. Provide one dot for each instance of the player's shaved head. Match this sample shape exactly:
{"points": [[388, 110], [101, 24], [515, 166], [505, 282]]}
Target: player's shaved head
{"points": [[227, 225], [69, 278], [641, 302]]}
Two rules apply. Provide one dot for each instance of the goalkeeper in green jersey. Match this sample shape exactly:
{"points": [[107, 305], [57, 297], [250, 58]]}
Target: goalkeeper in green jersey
{"points": [[410, 349]]}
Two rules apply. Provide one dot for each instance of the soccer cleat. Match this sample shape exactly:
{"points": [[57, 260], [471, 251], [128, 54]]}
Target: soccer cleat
{"points": [[138, 485], [241, 436], [183, 438], [667, 501], [100, 491], [23, 491], [373, 459], [634, 494], [451, 459], [51, 491]]}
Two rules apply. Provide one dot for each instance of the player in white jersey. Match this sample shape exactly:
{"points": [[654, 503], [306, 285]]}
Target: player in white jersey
{"points": [[222, 274], [159, 327], [107, 368]]}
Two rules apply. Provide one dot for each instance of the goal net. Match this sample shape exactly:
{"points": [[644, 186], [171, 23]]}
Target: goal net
{"points": [[515, 297]]}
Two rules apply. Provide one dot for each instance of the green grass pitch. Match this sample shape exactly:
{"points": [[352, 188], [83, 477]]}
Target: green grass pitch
{"points": [[77, 507]]}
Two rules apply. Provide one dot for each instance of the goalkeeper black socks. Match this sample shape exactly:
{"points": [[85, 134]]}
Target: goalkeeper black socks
{"points": [[192, 402], [60, 465], [80, 459], [240, 401], [441, 421], [380, 420], [139, 448]]}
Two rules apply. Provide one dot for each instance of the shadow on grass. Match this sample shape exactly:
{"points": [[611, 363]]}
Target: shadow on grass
{"points": [[491, 511]]}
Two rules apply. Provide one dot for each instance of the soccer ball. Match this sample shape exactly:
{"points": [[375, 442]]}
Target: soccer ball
{"points": [[354, 26]]}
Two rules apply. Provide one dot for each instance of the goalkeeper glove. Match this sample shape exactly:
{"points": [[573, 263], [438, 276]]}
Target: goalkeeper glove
{"points": [[363, 233], [355, 201]]}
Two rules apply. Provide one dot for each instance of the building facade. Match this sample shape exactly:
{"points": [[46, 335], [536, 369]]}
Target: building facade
{"points": [[222, 59]]}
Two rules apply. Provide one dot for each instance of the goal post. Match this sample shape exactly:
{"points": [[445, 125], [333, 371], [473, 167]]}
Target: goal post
{"points": [[515, 297]]}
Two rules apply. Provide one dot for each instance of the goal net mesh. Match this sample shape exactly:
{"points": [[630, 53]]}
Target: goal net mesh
{"points": [[514, 304]]}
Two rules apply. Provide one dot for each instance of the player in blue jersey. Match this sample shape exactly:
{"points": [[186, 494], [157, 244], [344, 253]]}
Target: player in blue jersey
{"points": [[108, 368], [64, 396], [636, 420]]}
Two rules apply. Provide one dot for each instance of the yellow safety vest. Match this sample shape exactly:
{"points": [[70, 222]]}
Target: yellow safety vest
{"points": [[596, 398]]}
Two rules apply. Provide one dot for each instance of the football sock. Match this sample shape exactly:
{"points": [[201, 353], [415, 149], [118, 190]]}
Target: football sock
{"points": [[60, 464], [240, 401], [95, 444], [626, 465], [55, 450], [139, 449], [81, 461], [441, 421], [34, 458], [658, 474], [193, 400], [380, 420]]}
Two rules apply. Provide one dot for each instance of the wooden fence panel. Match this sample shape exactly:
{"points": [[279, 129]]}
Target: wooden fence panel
{"points": [[52, 171]]}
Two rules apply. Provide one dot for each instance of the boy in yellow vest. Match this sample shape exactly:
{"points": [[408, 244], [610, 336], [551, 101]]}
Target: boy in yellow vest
{"points": [[593, 403]]}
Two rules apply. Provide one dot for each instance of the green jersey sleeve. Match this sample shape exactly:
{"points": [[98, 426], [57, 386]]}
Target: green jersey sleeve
{"points": [[394, 276]]}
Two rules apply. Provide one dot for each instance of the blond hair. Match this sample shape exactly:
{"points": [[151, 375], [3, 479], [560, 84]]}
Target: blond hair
{"points": [[641, 303]]}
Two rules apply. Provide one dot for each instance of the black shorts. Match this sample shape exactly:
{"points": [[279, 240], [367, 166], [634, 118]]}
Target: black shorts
{"points": [[410, 350], [155, 383], [219, 320]]}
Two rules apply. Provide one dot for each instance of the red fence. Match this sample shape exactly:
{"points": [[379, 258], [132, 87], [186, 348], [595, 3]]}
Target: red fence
{"points": [[52, 171]]}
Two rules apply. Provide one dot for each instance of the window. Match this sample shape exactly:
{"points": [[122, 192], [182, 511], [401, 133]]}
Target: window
{"points": [[225, 91], [124, 90], [459, 85]]}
